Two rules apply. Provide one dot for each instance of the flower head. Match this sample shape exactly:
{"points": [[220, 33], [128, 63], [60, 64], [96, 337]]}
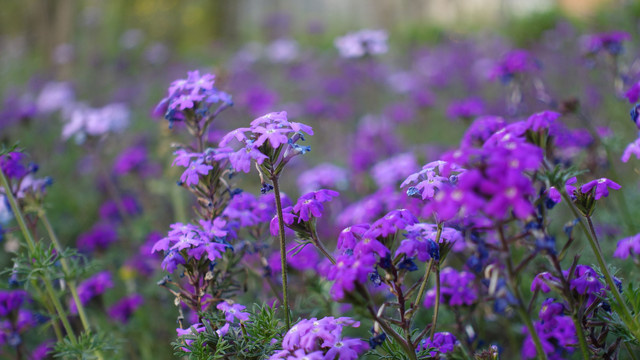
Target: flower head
{"points": [[601, 185]]}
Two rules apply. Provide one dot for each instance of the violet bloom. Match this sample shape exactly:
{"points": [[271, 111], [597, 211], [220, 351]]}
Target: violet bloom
{"points": [[601, 185], [94, 286], [241, 159], [541, 282], [322, 339], [457, 289], [610, 42], [323, 176], [466, 108], [627, 247], [310, 205], [196, 92], [131, 159], [586, 281], [443, 343], [543, 120], [191, 176], [389, 224], [11, 300], [125, 307], [390, 171], [513, 63], [633, 94], [233, 311], [569, 188], [98, 238], [12, 165], [557, 341], [631, 149], [481, 129], [350, 236], [348, 270]]}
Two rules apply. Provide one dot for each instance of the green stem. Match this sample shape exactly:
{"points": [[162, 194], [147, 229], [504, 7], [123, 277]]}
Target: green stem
{"points": [[283, 251], [631, 353], [581, 338], [593, 243], [319, 246], [437, 306], [59, 310], [67, 270]]}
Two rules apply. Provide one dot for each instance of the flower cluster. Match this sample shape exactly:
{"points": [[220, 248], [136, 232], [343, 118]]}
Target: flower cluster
{"points": [[272, 130], [186, 97], [321, 340], [188, 241], [457, 289]]}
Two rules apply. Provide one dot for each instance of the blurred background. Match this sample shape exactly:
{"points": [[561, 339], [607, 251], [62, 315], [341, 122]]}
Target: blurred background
{"points": [[272, 55], [63, 33]]}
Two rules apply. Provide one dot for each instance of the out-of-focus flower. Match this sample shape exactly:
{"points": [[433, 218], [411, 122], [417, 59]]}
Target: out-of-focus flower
{"points": [[361, 43]]}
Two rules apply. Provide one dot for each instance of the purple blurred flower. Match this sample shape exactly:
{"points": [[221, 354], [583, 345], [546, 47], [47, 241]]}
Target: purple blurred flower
{"points": [[631, 149], [94, 286], [466, 108], [125, 307], [98, 238], [322, 176], [443, 343], [610, 42], [629, 246]]}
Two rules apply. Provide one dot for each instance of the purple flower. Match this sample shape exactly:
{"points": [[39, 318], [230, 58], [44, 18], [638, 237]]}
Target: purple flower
{"points": [[513, 63], [389, 224], [627, 247], [457, 289], [541, 282], [196, 168], [98, 238], [586, 281], [323, 175], [610, 42], [443, 343], [311, 204], [466, 108], [543, 120], [320, 339], [42, 351], [602, 186], [348, 270], [232, 311], [633, 94], [12, 165], [196, 92], [394, 169], [125, 307], [131, 159], [556, 341], [350, 236], [569, 188], [275, 136], [11, 300], [94, 286], [481, 129], [632, 149], [241, 159]]}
